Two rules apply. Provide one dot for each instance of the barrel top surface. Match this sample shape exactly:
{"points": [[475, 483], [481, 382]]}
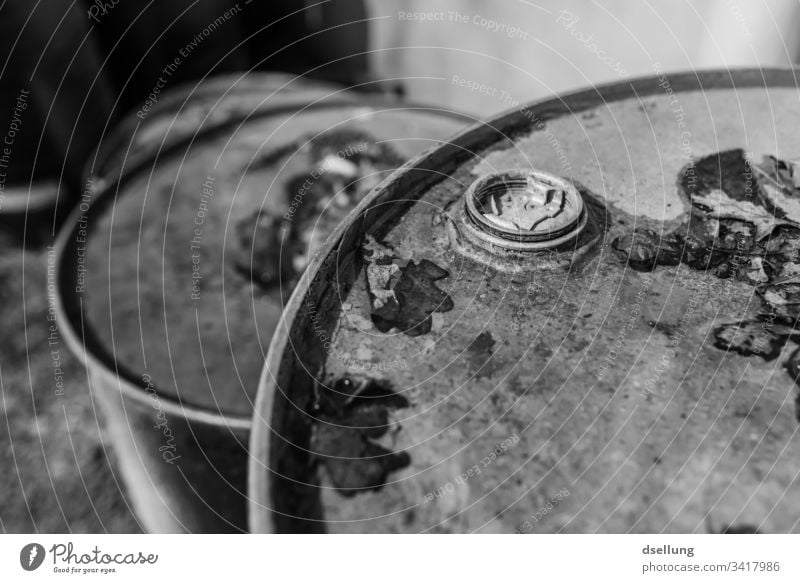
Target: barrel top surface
{"points": [[177, 255], [645, 383], [183, 111]]}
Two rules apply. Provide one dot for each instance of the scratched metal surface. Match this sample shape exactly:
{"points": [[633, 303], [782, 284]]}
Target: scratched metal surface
{"points": [[596, 397]]}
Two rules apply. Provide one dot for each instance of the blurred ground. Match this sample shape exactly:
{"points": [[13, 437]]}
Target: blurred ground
{"points": [[57, 468]]}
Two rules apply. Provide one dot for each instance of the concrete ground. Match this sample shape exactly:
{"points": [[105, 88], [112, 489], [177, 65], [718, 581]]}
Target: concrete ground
{"points": [[58, 470]]}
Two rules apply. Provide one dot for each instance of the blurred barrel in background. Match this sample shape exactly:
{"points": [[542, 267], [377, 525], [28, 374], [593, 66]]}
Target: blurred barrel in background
{"points": [[198, 218]]}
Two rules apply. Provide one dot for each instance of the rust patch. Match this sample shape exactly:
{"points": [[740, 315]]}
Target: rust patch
{"points": [[729, 172], [644, 249], [343, 166], [262, 254], [480, 353], [737, 229], [784, 301], [726, 248], [750, 338], [404, 294], [350, 415], [780, 184]]}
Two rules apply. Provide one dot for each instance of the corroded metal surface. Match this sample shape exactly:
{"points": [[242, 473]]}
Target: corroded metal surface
{"points": [[642, 379]]}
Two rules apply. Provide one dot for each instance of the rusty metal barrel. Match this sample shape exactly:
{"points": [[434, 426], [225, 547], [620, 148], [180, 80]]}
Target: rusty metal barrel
{"points": [[198, 217], [579, 316]]}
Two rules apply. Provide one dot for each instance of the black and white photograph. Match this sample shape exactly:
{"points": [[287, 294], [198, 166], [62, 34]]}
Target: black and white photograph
{"points": [[312, 271]]}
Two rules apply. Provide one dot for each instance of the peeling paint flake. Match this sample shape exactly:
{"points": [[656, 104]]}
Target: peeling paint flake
{"points": [[718, 205], [780, 183], [403, 293]]}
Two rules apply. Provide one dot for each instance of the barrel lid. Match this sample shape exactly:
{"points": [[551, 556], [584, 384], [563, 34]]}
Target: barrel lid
{"points": [[192, 250], [639, 376]]}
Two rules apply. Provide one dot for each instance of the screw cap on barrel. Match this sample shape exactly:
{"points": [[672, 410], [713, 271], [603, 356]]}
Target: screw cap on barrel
{"points": [[522, 210]]}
